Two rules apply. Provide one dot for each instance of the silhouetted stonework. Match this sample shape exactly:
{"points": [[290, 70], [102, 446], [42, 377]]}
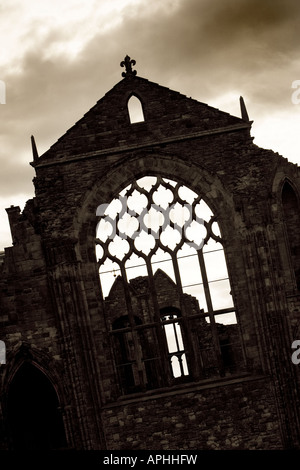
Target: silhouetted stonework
{"points": [[54, 317]]}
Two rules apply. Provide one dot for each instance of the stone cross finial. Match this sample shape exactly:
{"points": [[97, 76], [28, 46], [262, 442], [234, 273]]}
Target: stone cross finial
{"points": [[127, 63]]}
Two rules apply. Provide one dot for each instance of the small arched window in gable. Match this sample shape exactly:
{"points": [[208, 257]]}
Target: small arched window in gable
{"points": [[135, 110]]}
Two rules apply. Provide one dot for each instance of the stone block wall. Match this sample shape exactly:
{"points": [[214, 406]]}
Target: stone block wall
{"points": [[220, 416], [52, 313]]}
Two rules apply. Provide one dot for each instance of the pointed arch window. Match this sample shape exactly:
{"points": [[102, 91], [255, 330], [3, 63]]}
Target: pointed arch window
{"points": [[291, 215], [163, 244], [135, 110], [34, 419], [175, 342]]}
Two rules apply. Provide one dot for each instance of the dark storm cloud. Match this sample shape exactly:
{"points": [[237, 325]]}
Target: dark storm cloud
{"points": [[230, 45], [200, 48]]}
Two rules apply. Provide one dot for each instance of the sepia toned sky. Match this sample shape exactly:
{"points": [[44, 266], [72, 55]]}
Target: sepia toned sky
{"points": [[59, 57]]}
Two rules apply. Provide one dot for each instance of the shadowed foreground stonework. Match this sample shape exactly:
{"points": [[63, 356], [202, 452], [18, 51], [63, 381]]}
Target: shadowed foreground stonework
{"points": [[92, 370]]}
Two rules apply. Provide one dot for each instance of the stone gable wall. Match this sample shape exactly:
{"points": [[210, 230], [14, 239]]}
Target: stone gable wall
{"points": [[52, 312]]}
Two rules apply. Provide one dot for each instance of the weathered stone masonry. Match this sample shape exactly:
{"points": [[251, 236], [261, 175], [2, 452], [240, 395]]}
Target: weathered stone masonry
{"points": [[54, 318]]}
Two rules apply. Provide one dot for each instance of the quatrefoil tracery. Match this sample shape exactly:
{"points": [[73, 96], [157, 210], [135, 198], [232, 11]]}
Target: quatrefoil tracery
{"points": [[150, 214]]}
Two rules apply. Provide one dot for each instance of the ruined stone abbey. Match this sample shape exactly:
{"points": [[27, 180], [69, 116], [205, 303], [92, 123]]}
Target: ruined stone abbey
{"points": [[151, 294]]}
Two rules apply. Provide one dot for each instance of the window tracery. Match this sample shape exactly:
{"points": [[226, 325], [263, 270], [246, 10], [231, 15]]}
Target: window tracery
{"points": [[160, 231]]}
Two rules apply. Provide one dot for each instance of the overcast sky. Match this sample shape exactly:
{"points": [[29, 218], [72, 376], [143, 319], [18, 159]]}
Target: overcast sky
{"points": [[59, 57]]}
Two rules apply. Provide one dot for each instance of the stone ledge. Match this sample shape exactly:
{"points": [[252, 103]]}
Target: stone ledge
{"points": [[182, 389], [126, 148]]}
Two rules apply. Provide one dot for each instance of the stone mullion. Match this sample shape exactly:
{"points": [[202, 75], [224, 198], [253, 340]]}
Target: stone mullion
{"points": [[192, 358], [164, 361], [139, 362], [210, 309], [179, 356], [152, 328]]}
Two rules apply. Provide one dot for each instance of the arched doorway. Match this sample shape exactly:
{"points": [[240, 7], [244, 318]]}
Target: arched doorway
{"points": [[34, 420]]}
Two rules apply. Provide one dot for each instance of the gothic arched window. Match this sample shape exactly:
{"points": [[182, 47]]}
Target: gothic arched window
{"points": [[135, 110], [162, 243]]}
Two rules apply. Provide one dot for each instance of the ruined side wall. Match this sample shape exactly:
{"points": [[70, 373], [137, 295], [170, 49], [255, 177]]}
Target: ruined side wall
{"points": [[35, 329], [238, 416]]}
